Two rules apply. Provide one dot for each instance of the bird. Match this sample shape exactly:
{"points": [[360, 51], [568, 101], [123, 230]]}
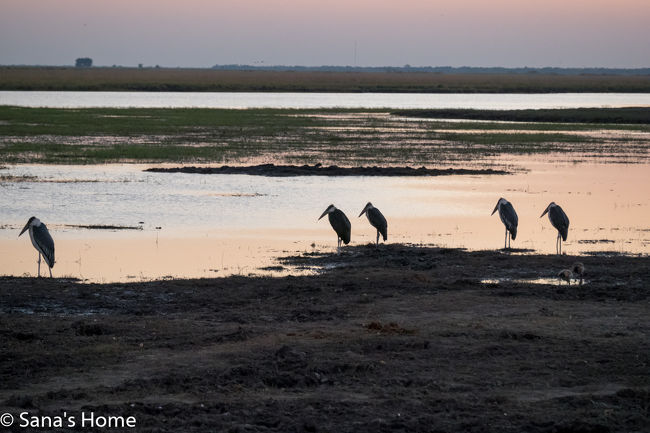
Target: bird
{"points": [[566, 275], [340, 223], [377, 220], [42, 241], [560, 221], [508, 218], [579, 270]]}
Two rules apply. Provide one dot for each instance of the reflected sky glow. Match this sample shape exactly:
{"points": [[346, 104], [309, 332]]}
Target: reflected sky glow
{"points": [[214, 225], [499, 101]]}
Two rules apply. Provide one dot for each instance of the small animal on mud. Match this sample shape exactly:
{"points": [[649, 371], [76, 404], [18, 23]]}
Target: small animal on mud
{"points": [[377, 220], [508, 218], [579, 270], [566, 275], [42, 241], [340, 223], [560, 221]]}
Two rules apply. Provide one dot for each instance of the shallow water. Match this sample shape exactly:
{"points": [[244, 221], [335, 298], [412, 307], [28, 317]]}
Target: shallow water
{"points": [[193, 225], [240, 100]]}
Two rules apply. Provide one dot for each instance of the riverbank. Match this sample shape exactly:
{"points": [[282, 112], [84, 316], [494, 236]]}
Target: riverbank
{"points": [[212, 80], [395, 338]]}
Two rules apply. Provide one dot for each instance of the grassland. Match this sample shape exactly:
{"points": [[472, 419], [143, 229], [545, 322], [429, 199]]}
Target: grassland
{"points": [[626, 115], [342, 137], [194, 80]]}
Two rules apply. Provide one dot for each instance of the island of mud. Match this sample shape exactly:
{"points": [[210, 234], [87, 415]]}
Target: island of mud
{"points": [[273, 170]]}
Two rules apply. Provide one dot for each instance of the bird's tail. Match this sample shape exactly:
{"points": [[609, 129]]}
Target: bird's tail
{"points": [[565, 234], [513, 233]]}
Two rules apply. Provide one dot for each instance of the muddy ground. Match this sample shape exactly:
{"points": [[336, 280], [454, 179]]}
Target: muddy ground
{"points": [[273, 170], [399, 338]]}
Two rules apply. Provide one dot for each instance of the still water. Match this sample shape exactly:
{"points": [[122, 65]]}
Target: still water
{"points": [[193, 225], [318, 100]]}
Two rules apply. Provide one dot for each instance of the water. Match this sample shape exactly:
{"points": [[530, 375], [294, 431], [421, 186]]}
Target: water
{"points": [[190, 225], [193, 225], [318, 100]]}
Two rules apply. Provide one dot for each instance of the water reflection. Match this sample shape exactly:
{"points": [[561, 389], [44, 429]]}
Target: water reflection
{"points": [[241, 100], [213, 225]]}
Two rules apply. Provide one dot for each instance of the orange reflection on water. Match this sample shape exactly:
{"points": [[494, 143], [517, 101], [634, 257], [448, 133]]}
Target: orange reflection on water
{"points": [[150, 255], [608, 206]]}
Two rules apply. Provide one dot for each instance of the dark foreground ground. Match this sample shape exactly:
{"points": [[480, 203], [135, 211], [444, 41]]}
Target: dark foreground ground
{"points": [[395, 339]]}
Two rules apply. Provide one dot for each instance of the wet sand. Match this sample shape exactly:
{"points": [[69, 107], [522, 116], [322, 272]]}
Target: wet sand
{"points": [[399, 338]]}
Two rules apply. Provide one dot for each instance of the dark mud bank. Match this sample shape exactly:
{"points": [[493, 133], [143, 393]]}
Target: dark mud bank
{"points": [[320, 170], [398, 338]]}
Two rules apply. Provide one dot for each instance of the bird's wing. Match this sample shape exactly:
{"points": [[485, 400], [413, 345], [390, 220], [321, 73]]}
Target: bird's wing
{"points": [[378, 221], [509, 216], [45, 243], [560, 221], [341, 225]]}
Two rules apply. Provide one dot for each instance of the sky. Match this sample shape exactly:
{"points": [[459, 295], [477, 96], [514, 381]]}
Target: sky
{"points": [[202, 33]]}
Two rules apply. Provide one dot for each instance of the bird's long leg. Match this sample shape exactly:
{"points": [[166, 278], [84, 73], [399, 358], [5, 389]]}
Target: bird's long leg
{"points": [[338, 245], [39, 264], [509, 237], [377, 243], [50, 269]]}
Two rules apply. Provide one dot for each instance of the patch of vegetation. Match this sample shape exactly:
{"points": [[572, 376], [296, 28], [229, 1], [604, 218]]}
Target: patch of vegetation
{"points": [[611, 116], [329, 136]]}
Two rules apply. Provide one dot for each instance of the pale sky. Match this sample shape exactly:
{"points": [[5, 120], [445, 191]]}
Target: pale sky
{"points": [[202, 33]]}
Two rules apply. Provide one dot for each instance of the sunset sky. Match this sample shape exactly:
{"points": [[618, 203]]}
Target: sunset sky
{"points": [[202, 33]]}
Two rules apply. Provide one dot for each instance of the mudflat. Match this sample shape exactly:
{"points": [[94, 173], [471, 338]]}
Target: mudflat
{"points": [[273, 170], [395, 338]]}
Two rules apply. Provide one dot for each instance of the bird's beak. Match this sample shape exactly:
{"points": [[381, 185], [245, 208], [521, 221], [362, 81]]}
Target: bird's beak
{"points": [[545, 211], [495, 209], [24, 229], [363, 211], [324, 213]]}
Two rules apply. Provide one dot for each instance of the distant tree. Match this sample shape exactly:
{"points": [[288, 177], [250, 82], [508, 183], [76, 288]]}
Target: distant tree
{"points": [[84, 62]]}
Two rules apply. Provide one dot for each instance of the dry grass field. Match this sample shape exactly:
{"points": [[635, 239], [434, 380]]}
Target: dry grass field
{"points": [[167, 79]]}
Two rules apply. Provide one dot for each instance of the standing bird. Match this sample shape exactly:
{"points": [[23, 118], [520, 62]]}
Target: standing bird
{"points": [[377, 220], [560, 221], [508, 218], [340, 223], [42, 241], [579, 270]]}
